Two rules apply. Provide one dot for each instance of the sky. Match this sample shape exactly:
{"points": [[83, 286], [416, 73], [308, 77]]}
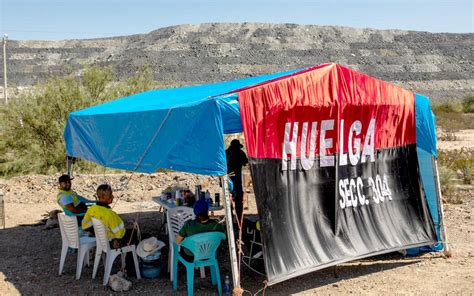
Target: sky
{"points": [[80, 19]]}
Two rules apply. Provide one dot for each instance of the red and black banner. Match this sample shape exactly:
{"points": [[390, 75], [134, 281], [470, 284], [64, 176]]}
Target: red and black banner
{"points": [[332, 154]]}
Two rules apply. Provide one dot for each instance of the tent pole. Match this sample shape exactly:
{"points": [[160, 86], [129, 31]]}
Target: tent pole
{"points": [[230, 234], [68, 165], [444, 236]]}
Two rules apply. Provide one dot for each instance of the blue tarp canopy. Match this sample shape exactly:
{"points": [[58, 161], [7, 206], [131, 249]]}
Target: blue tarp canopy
{"points": [[179, 129], [426, 150]]}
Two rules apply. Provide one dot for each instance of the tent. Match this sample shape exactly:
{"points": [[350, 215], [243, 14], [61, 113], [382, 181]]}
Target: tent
{"points": [[166, 128], [182, 129]]}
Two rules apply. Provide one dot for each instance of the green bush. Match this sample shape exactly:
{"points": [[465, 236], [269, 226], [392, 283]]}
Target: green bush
{"points": [[455, 166], [95, 81], [450, 117], [452, 106], [468, 104], [448, 191], [463, 162], [466, 169], [32, 125]]}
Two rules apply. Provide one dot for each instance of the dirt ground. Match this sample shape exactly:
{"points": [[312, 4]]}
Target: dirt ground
{"points": [[29, 254]]}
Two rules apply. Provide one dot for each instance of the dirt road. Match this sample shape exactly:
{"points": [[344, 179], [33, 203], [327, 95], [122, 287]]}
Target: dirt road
{"points": [[29, 255]]}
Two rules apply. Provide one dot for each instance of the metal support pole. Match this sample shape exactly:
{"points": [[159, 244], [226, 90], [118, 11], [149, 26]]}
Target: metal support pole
{"points": [[444, 235], [2, 210], [68, 165], [230, 234], [5, 90]]}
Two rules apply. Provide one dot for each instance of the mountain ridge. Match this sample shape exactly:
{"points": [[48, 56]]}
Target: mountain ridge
{"points": [[439, 65]]}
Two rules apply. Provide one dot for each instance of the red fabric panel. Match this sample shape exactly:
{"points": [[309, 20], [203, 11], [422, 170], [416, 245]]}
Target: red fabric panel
{"points": [[330, 92], [276, 79]]}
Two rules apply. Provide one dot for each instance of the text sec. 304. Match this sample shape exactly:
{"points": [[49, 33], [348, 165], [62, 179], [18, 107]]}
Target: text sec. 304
{"points": [[351, 191]]}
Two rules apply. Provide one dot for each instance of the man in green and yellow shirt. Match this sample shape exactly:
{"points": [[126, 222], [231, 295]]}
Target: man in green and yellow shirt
{"points": [[118, 235], [102, 211], [72, 203]]}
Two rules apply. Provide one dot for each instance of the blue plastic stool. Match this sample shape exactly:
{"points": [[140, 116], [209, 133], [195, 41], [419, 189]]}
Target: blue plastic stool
{"points": [[204, 247]]}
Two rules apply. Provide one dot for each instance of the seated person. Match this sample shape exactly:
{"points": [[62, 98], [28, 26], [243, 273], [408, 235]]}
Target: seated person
{"points": [[189, 198], [200, 224], [71, 203], [118, 235]]}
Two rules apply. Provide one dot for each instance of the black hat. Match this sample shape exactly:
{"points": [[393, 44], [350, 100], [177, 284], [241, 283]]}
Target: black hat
{"points": [[236, 143], [64, 178]]}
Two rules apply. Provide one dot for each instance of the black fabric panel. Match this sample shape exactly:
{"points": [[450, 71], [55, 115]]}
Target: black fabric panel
{"points": [[304, 227]]}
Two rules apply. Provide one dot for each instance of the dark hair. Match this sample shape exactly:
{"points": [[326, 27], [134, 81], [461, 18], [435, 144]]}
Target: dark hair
{"points": [[64, 178], [202, 218], [103, 187]]}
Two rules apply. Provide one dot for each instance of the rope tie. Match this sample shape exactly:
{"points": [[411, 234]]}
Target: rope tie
{"points": [[137, 228]]}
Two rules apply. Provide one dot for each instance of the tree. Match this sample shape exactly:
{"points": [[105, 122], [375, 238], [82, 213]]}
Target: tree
{"points": [[95, 81], [468, 103], [32, 126], [142, 81]]}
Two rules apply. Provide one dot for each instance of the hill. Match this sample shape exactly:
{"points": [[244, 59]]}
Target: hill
{"points": [[439, 65]]}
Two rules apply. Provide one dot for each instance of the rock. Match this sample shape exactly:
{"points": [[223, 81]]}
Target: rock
{"points": [[118, 283], [51, 223]]}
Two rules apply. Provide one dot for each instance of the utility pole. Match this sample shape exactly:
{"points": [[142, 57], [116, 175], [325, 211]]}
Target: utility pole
{"points": [[5, 92]]}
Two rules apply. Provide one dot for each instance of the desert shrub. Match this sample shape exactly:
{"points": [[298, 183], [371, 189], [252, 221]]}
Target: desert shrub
{"points": [[142, 81], [448, 190], [451, 119], [466, 169], [448, 158], [463, 163], [95, 81], [450, 124], [444, 157], [468, 103], [32, 125], [451, 106], [455, 165]]}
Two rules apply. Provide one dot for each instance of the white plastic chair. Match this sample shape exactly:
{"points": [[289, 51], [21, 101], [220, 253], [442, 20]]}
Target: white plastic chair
{"points": [[111, 254], [71, 239], [176, 217]]}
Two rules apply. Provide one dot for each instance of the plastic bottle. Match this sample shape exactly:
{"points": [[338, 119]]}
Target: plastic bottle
{"points": [[227, 290]]}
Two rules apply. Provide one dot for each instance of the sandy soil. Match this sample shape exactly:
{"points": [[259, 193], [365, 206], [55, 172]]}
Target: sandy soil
{"points": [[29, 255]]}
